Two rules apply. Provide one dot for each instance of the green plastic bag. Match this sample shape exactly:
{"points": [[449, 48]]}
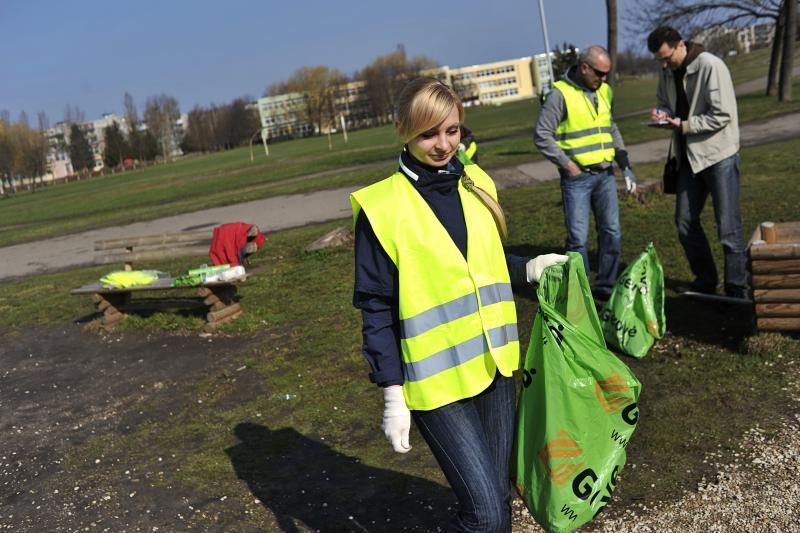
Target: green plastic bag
{"points": [[633, 317], [577, 408]]}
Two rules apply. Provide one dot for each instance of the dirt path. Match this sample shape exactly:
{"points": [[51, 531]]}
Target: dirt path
{"points": [[59, 387], [294, 210]]}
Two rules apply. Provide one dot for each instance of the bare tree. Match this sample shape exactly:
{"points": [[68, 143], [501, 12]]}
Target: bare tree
{"points": [[787, 61], [161, 113], [44, 122], [611, 41], [73, 114], [130, 111], [385, 77], [775, 54], [690, 16], [319, 84]]}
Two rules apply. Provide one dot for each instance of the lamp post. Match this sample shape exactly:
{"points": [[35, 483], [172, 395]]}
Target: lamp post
{"points": [[264, 134], [546, 44]]}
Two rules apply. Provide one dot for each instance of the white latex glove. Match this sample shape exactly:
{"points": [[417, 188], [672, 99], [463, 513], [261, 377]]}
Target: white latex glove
{"points": [[396, 418], [630, 180], [535, 267]]}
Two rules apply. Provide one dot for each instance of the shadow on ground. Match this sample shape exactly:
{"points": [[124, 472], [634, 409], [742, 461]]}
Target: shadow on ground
{"points": [[307, 484]]}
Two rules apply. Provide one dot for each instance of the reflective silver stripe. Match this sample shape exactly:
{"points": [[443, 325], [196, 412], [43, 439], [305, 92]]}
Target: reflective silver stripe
{"points": [[582, 133], [455, 309], [586, 149], [441, 314], [499, 292], [459, 354], [502, 335]]}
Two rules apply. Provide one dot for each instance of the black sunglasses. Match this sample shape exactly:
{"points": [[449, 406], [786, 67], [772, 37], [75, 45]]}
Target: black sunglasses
{"points": [[598, 73]]}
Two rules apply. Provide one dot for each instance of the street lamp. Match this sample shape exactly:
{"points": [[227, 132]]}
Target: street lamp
{"points": [[546, 44], [264, 134]]}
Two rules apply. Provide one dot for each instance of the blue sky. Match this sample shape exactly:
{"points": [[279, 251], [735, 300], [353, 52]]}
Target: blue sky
{"points": [[90, 52]]}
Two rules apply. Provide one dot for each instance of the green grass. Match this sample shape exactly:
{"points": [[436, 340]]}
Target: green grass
{"points": [[309, 400]]}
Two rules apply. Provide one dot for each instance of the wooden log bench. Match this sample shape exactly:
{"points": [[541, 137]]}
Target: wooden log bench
{"points": [[218, 298], [774, 251]]}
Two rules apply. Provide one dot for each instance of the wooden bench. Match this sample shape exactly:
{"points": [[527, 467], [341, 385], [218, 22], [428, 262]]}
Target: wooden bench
{"points": [[774, 251], [219, 299], [152, 247]]}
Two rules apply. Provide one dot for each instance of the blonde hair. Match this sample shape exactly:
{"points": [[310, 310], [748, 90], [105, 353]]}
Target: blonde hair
{"points": [[424, 103]]}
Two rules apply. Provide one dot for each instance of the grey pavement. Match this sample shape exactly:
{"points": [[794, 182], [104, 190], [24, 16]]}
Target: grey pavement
{"points": [[288, 211]]}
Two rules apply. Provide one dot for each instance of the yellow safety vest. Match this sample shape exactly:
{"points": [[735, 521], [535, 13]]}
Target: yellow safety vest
{"points": [[458, 323], [585, 135]]}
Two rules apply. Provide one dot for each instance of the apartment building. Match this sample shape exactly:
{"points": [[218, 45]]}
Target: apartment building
{"points": [[490, 83], [285, 116]]}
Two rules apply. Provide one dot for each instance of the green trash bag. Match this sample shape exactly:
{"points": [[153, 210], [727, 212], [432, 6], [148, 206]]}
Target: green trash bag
{"points": [[633, 317], [577, 408]]}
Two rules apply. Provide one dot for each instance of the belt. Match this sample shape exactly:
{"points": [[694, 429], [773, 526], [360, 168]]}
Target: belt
{"points": [[599, 167]]}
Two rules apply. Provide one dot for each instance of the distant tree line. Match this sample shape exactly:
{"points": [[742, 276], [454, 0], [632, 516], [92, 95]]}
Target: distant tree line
{"points": [[23, 152], [215, 128], [383, 80]]}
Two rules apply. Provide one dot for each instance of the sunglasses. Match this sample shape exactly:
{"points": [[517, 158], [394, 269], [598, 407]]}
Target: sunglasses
{"points": [[598, 73]]}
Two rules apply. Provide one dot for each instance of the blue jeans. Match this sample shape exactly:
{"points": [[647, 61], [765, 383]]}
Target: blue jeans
{"points": [[472, 439], [721, 181], [596, 191]]}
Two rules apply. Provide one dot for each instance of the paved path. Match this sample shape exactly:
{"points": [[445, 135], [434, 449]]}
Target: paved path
{"points": [[283, 212]]}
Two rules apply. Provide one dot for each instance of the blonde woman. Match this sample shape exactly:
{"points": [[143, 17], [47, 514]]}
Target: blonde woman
{"points": [[439, 322]]}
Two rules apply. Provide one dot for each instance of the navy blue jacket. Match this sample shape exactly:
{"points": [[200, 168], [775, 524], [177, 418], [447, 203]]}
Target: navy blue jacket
{"points": [[376, 277]]}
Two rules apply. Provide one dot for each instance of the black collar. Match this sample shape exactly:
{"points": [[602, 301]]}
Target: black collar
{"points": [[422, 175]]}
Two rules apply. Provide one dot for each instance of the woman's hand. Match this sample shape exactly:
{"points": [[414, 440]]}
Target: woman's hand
{"points": [[535, 267], [396, 418]]}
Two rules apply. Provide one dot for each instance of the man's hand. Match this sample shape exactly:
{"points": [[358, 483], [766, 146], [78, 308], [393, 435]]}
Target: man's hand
{"points": [[673, 123], [630, 180], [657, 116], [396, 418], [535, 267], [573, 169]]}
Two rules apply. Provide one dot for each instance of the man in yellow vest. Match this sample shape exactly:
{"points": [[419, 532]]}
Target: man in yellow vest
{"points": [[576, 131]]}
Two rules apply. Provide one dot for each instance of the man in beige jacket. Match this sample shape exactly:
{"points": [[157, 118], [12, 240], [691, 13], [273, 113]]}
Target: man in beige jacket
{"points": [[696, 100]]}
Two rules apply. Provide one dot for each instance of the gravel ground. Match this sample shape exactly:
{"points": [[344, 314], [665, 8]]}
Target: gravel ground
{"points": [[759, 493]]}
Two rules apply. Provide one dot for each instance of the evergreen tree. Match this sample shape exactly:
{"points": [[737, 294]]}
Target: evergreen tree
{"points": [[563, 59], [79, 150], [148, 145], [116, 147]]}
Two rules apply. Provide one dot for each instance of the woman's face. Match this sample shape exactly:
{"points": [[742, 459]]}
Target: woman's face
{"points": [[438, 145]]}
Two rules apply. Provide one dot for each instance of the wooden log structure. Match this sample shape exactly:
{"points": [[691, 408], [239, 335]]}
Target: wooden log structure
{"points": [[219, 300], [774, 252]]}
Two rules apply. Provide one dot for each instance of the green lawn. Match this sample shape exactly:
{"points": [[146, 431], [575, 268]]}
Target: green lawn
{"points": [[701, 385]]}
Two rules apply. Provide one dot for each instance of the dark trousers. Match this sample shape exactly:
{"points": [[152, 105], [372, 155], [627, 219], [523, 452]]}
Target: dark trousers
{"points": [[721, 182], [472, 440]]}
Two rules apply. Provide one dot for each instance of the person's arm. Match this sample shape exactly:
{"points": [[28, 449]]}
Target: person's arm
{"points": [[553, 111], [662, 100], [620, 152], [516, 270], [719, 96], [375, 295]]}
